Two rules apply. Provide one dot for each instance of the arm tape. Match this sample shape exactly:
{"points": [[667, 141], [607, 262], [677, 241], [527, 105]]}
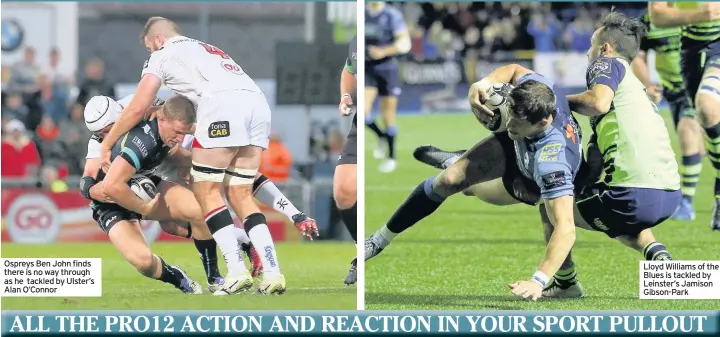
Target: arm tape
{"points": [[85, 184]]}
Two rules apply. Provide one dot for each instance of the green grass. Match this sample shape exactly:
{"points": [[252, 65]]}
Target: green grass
{"points": [[314, 274], [464, 255]]}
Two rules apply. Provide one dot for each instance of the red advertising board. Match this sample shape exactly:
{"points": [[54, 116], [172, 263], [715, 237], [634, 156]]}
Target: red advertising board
{"points": [[35, 216]]}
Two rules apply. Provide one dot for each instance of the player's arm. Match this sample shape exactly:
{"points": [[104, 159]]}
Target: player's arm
{"points": [[560, 211], [348, 81], [665, 16], [136, 110], [89, 186], [641, 69], [180, 157], [510, 73], [603, 77], [122, 169]]}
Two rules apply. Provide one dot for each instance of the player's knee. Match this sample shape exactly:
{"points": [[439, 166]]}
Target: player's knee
{"points": [[345, 195], [450, 181], [176, 228], [143, 261]]}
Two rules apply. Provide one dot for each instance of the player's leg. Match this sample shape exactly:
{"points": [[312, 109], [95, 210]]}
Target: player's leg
{"points": [[208, 174], [701, 71], [239, 180], [388, 91], [371, 93], [179, 203], [345, 191], [691, 146], [483, 162], [123, 229], [267, 193], [176, 228]]}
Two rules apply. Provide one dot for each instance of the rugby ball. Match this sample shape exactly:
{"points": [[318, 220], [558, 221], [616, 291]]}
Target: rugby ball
{"points": [[497, 102], [143, 187]]}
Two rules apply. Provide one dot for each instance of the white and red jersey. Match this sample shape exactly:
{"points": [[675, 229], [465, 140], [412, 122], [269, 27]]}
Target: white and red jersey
{"points": [[194, 69]]}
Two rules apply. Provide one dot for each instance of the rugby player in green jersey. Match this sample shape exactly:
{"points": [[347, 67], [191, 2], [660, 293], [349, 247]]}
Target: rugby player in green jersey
{"points": [[700, 62], [666, 44]]}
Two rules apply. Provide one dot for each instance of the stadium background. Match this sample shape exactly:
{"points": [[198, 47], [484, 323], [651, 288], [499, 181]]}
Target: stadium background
{"points": [[464, 256], [55, 56]]}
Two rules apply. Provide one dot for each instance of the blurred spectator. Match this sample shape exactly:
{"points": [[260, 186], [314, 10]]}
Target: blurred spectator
{"points": [[14, 108], [25, 74], [578, 33], [55, 86], [73, 138], [50, 179], [20, 157], [95, 83], [46, 137], [276, 162], [545, 29]]}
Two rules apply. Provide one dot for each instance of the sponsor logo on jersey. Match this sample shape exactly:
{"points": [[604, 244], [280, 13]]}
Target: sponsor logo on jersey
{"points": [[219, 129], [553, 180], [33, 218], [140, 145]]}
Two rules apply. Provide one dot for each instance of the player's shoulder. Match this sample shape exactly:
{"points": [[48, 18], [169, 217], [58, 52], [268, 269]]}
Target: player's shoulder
{"points": [[604, 64]]}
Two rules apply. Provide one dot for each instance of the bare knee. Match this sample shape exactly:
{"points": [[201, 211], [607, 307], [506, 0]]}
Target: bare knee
{"points": [[345, 194], [175, 228], [450, 181], [143, 261], [707, 109]]}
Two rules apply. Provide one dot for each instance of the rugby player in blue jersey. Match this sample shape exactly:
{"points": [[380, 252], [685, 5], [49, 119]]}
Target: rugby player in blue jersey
{"points": [[386, 36], [537, 158]]}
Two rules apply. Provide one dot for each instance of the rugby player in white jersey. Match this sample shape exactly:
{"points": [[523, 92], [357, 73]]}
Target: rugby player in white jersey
{"points": [[101, 112], [233, 128]]}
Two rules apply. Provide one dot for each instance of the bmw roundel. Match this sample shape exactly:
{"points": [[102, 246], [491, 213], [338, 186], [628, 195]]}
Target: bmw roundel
{"points": [[12, 35]]}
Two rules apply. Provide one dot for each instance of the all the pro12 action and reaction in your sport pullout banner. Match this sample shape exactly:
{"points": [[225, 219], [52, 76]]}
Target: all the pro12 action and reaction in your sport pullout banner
{"points": [[309, 322]]}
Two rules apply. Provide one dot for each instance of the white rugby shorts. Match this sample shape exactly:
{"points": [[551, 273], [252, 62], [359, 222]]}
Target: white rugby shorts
{"points": [[232, 119]]}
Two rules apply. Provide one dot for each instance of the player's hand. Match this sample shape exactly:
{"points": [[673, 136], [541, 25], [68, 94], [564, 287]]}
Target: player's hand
{"points": [[105, 155], [477, 97], [712, 10], [655, 94], [345, 105], [98, 193], [376, 53], [308, 228], [527, 289], [150, 206]]}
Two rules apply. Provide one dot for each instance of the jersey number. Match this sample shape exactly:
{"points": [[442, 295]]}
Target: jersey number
{"points": [[215, 51]]}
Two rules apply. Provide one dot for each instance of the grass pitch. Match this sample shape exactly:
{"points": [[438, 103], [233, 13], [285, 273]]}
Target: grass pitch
{"points": [[463, 256], [314, 274]]}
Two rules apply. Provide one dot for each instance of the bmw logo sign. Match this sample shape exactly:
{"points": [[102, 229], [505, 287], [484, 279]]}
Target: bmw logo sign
{"points": [[12, 35]]}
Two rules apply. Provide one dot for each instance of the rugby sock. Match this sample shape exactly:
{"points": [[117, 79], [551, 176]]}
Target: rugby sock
{"points": [[208, 255], [390, 134], [257, 229], [349, 217], [422, 202], [370, 123], [712, 141], [450, 161], [267, 193], [566, 276], [656, 251], [170, 274], [222, 226], [241, 236], [690, 170]]}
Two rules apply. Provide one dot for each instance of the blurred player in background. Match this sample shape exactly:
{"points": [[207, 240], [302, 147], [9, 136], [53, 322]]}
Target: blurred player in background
{"points": [[386, 36], [118, 210], [700, 62], [232, 130], [666, 44], [345, 179]]}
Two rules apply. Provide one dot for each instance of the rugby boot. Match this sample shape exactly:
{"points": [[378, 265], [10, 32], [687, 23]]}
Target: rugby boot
{"points": [[575, 290], [685, 211], [215, 283], [272, 285], [351, 277], [715, 224], [235, 284], [187, 285], [434, 156]]}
